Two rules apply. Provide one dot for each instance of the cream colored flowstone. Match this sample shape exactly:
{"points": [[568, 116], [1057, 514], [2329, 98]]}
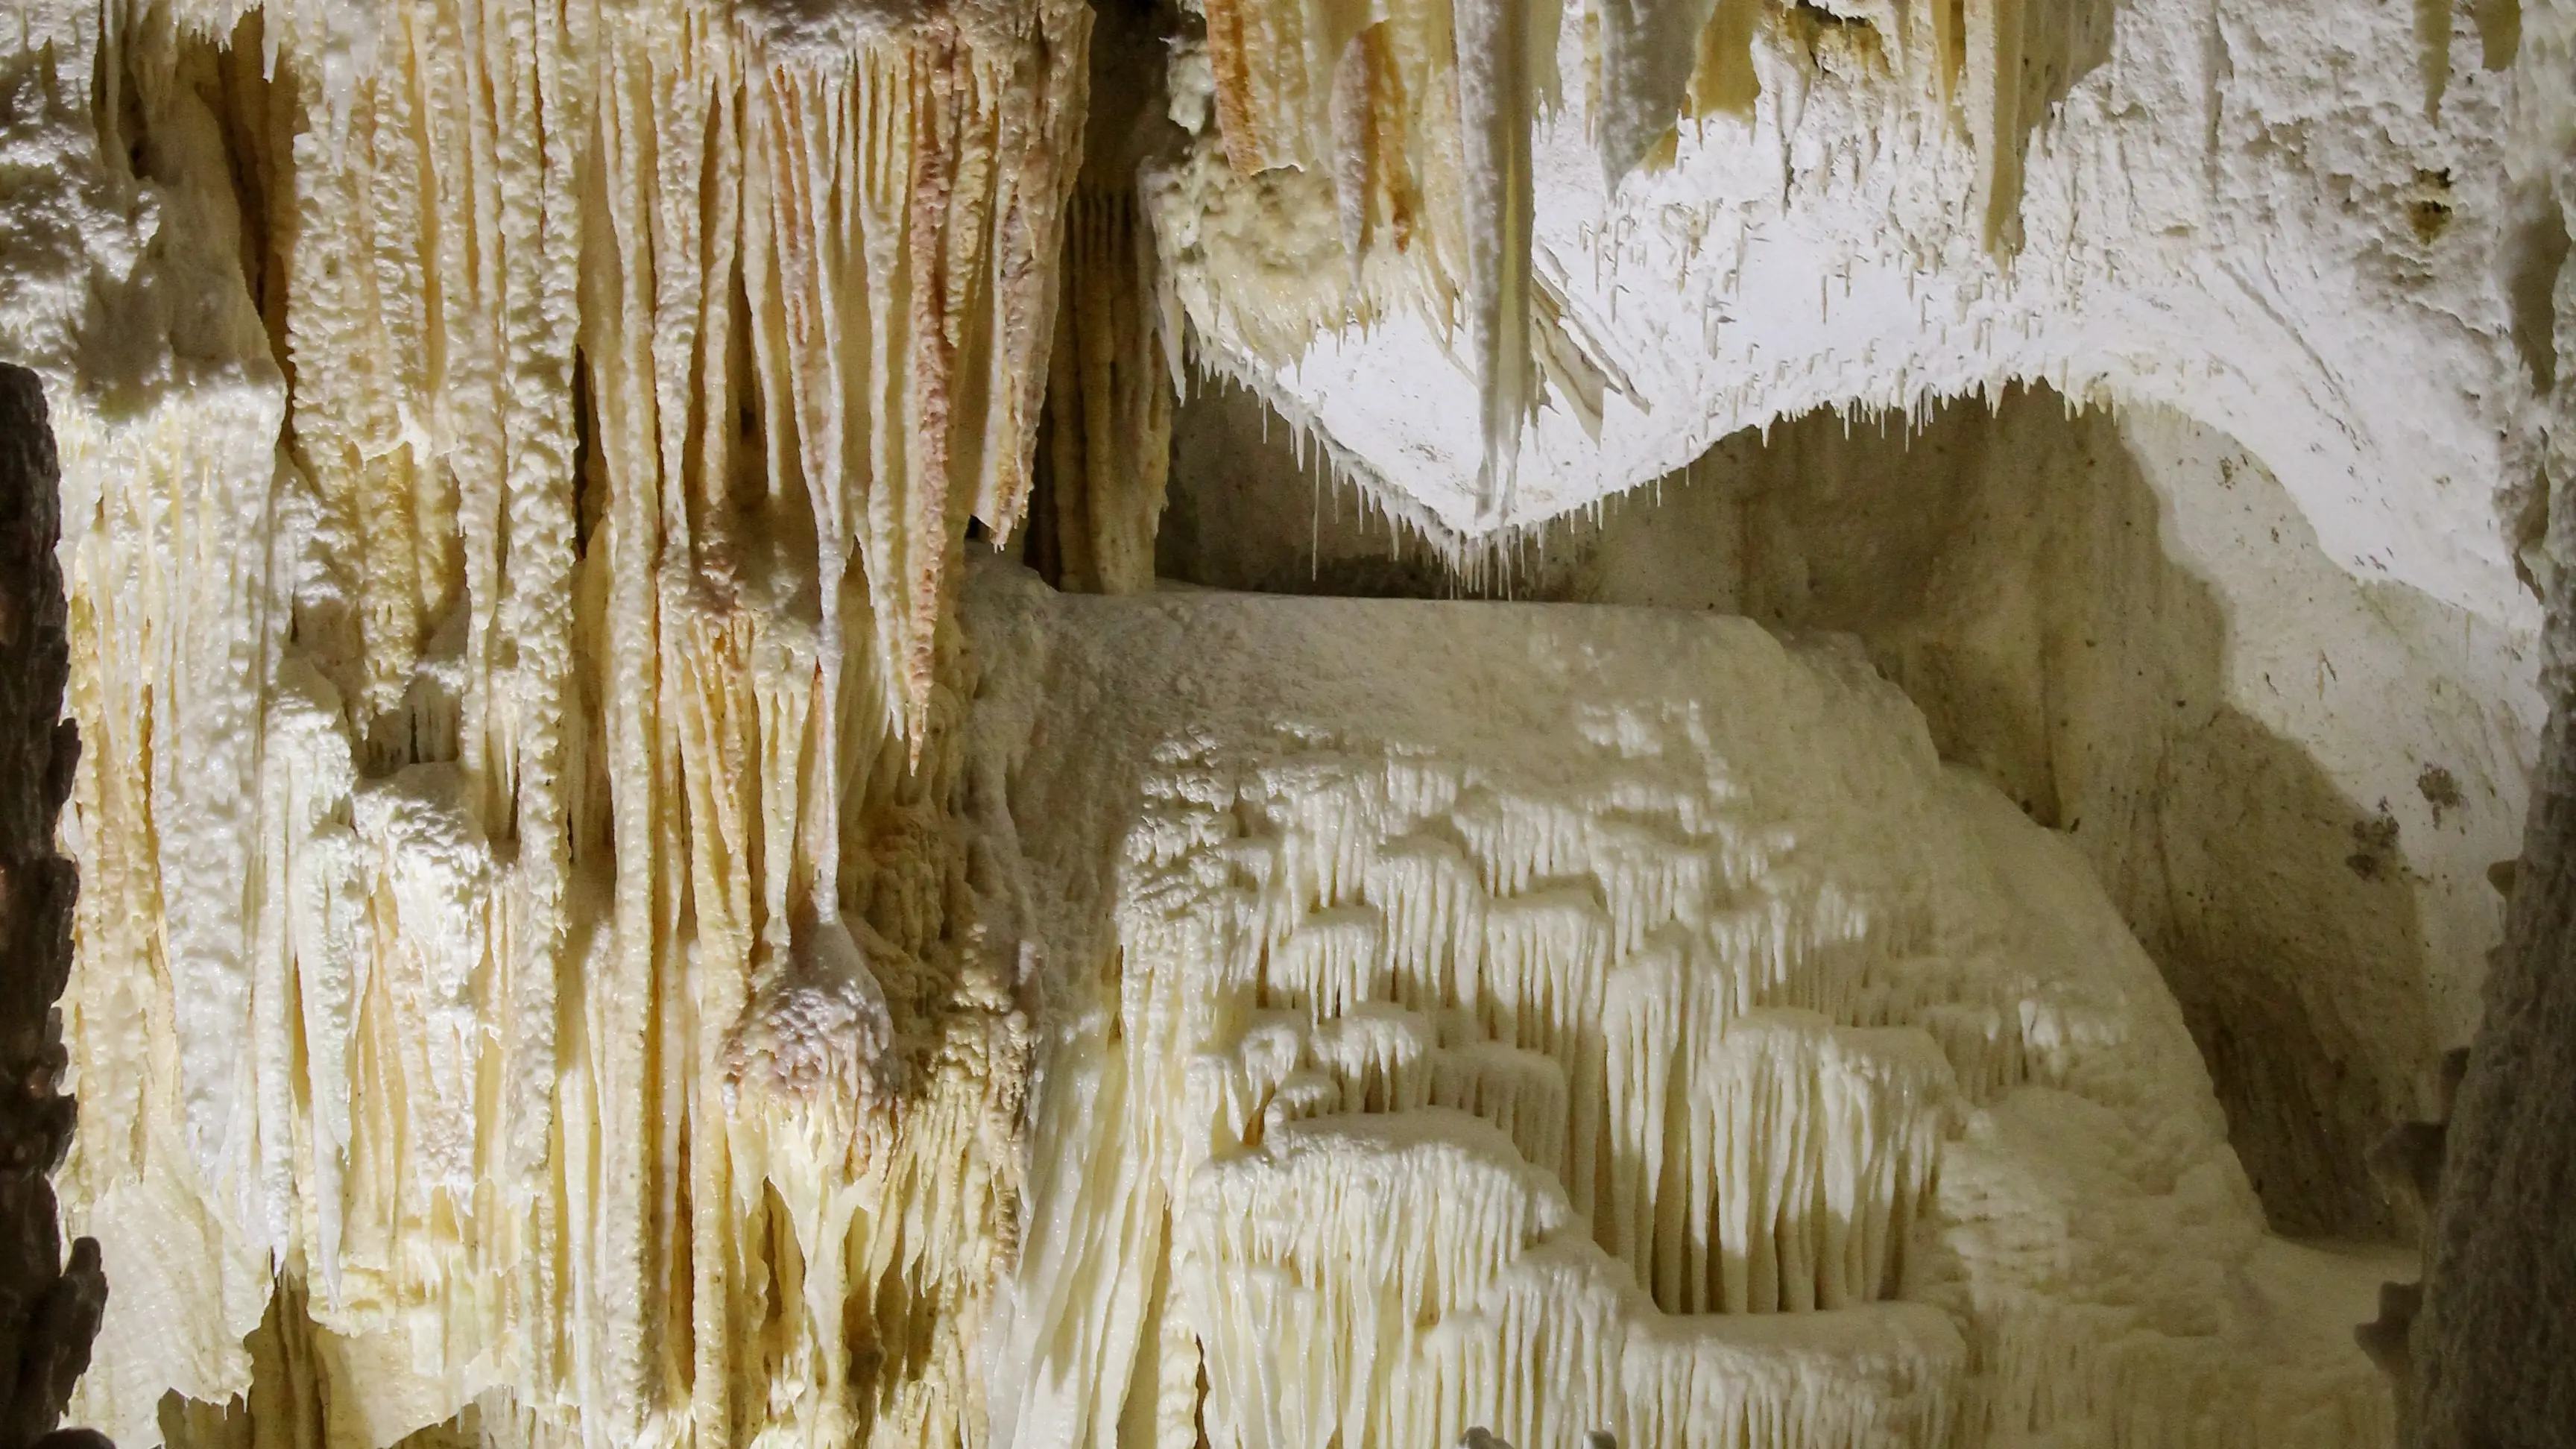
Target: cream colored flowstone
{"points": [[1559, 1019]]}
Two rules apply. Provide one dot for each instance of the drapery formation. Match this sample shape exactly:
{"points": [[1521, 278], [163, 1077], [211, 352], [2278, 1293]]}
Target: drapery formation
{"points": [[517, 710]]}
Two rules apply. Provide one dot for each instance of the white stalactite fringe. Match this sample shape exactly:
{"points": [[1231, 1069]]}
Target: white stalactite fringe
{"points": [[1495, 106], [573, 1004]]}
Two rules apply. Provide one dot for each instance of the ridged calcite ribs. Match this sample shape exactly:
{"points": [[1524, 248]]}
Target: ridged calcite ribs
{"points": [[1108, 435], [523, 922]]}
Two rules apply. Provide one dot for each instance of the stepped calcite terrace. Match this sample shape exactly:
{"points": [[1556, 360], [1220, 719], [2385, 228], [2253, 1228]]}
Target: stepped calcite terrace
{"points": [[1301, 724]]}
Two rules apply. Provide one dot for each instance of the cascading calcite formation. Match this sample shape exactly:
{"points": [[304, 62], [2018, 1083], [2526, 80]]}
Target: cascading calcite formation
{"points": [[552, 962], [519, 915], [1559, 1020]]}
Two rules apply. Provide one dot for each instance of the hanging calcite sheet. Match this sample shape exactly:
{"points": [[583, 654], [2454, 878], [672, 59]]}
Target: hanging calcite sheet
{"points": [[1558, 1020], [1331, 185], [525, 920]]}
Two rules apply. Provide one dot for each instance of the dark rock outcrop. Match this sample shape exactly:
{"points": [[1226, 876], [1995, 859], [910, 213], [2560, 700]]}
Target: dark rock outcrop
{"points": [[49, 1302]]}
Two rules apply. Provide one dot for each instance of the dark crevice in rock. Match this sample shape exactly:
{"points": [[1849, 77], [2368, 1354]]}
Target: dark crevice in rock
{"points": [[2492, 1353], [50, 1303]]}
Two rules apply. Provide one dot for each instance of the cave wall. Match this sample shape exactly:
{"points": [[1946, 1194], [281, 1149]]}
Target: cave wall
{"points": [[2492, 1352]]}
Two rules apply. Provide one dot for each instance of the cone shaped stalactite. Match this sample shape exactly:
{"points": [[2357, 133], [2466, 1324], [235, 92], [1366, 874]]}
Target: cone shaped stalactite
{"points": [[1495, 105], [913, 205], [1649, 50]]}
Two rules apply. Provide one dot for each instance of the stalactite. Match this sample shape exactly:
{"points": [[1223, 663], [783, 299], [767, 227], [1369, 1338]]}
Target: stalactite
{"points": [[1496, 100], [1648, 52], [530, 708], [1450, 102]]}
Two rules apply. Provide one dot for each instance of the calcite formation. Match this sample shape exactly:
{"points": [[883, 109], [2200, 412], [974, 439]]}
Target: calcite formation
{"points": [[593, 929], [2259, 220], [1557, 1020], [1423, 121], [519, 922]]}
